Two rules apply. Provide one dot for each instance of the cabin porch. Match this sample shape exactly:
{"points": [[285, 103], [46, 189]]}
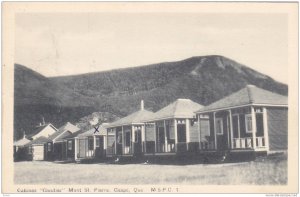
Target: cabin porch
{"points": [[91, 147], [129, 140], [171, 136], [235, 129]]}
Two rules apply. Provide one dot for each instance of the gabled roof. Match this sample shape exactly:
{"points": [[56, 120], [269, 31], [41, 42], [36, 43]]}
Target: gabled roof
{"points": [[181, 108], [39, 140], [102, 131], [68, 127], [21, 142], [134, 118], [75, 134], [39, 129], [250, 95]]}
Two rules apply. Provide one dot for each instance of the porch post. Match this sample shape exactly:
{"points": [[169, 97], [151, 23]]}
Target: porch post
{"points": [[253, 126], [215, 133], [132, 139], [199, 129], [145, 137], [105, 142], [116, 141], [187, 134], [166, 139], [123, 141], [75, 147], [175, 131], [266, 131], [94, 138], [231, 129], [155, 148]]}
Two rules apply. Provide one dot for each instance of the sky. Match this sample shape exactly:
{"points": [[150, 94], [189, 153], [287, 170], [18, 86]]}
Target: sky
{"points": [[56, 44]]}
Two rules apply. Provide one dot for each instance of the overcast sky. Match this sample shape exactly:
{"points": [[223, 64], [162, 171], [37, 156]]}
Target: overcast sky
{"points": [[73, 43]]}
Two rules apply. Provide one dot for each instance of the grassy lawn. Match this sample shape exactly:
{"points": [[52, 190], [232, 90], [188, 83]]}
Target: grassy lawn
{"points": [[266, 171]]}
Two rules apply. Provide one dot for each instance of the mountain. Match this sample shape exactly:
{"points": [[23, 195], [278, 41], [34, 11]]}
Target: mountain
{"points": [[203, 79], [37, 97]]}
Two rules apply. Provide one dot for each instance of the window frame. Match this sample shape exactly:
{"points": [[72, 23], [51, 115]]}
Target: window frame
{"points": [[70, 144], [49, 147], [246, 123]]}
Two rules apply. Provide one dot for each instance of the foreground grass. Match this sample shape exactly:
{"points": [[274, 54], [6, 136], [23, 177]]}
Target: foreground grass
{"points": [[263, 171]]}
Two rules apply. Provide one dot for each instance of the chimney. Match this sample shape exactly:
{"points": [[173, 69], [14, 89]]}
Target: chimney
{"points": [[142, 104], [43, 121], [24, 135]]}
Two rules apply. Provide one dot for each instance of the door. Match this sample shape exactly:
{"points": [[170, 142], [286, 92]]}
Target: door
{"points": [[99, 146], [38, 152], [137, 142], [160, 139], [222, 133]]}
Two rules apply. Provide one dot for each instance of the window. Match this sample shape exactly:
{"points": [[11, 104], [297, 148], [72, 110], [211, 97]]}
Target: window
{"points": [[248, 123], [219, 126], [91, 143], [70, 145], [49, 147]]}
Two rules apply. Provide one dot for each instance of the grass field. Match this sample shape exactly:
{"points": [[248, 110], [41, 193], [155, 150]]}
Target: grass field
{"points": [[263, 171]]}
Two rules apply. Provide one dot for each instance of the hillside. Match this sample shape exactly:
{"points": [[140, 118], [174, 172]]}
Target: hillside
{"points": [[36, 96], [118, 92], [202, 79]]}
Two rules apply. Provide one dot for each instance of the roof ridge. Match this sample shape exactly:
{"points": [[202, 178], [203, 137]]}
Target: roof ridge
{"points": [[250, 93], [176, 104]]}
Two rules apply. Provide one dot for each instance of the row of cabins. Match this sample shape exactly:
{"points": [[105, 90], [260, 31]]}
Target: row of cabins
{"points": [[249, 120]]}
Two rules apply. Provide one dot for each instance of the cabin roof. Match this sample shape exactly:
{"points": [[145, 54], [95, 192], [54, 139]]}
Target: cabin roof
{"points": [[68, 128], [75, 134], [39, 140], [248, 95], [91, 132], [136, 117], [39, 129], [21, 142], [181, 108]]}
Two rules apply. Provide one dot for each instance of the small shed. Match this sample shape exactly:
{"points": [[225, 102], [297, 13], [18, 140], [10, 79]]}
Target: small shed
{"points": [[251, 119], [36, 149], [19, 149], [56, 146]]}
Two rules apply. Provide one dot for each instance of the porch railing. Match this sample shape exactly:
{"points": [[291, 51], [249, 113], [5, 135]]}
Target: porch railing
{"points": [[242, 143]]}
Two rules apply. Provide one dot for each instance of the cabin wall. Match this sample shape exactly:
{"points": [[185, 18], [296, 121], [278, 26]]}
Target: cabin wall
{"points": [[277, 128]]}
